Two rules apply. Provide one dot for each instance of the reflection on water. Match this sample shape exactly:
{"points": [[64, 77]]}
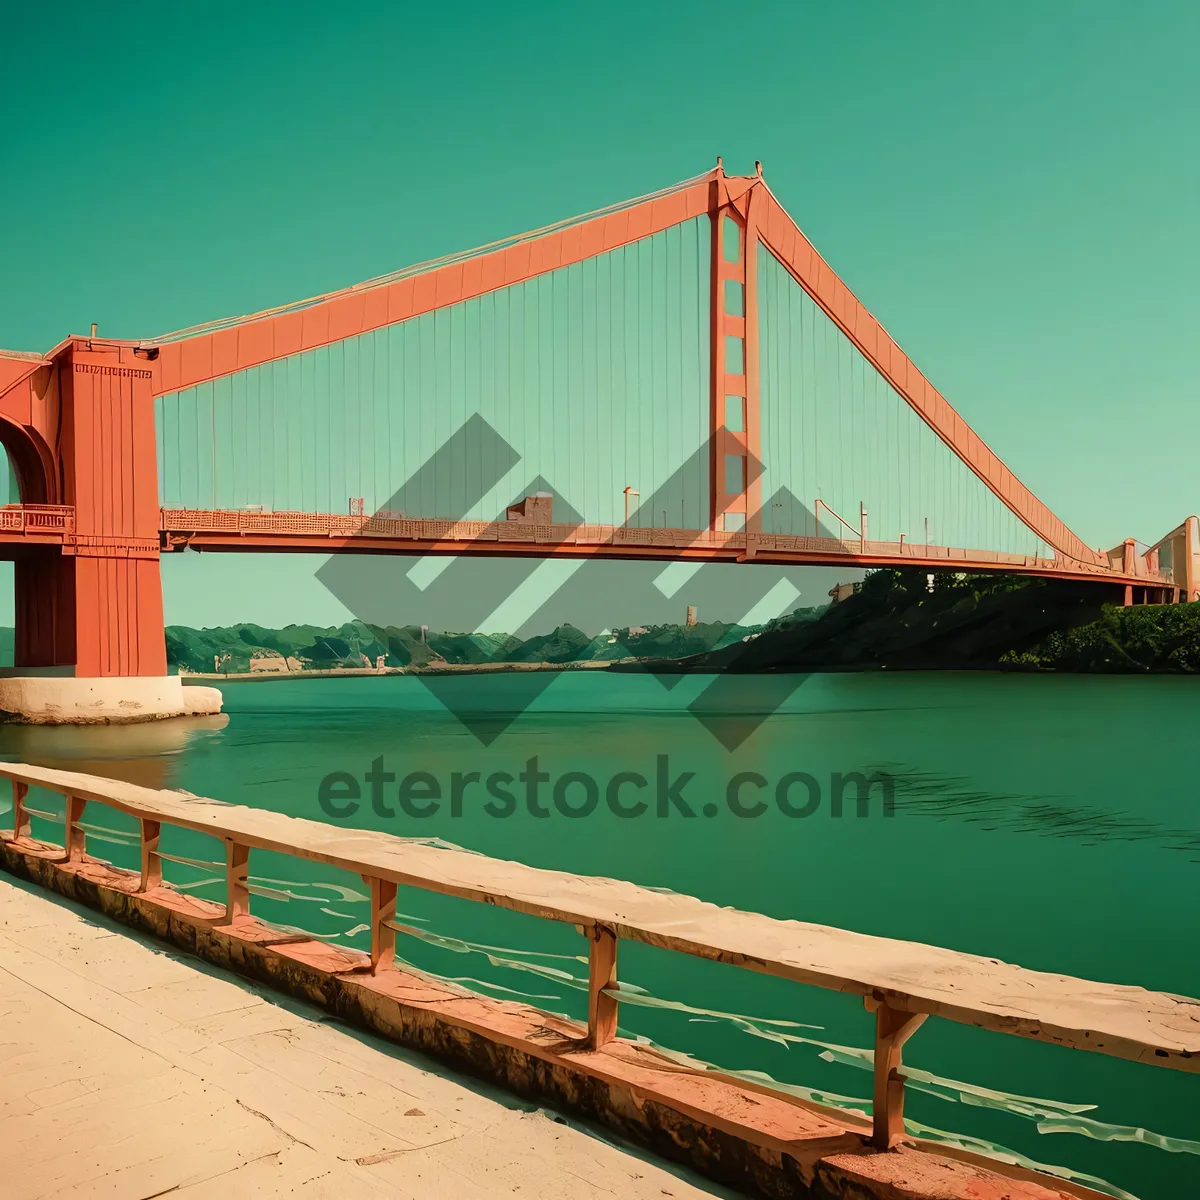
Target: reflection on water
{"points": [[139, 753], [1033, 823], [948, 799]]}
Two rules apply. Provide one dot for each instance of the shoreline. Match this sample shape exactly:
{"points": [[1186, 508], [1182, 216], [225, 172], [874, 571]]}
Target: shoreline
{"points": [[196, 677]]}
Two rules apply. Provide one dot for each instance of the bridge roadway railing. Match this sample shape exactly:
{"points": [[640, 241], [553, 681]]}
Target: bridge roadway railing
{"points": [[903, 983], [37, 518], [228, 527]]}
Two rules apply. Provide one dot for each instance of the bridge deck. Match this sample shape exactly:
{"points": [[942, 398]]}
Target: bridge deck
{"points": [[27, 527], [328, 533], [133, 1072]]}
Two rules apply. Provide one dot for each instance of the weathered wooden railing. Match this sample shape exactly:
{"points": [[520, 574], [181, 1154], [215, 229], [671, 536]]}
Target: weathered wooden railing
{"points": [[902, 982]]}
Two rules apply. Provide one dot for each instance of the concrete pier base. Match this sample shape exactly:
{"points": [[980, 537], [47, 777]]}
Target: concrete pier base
{"points": [[64, 700]]}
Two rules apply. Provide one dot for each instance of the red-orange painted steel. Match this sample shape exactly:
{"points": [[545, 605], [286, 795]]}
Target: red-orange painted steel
{"points": [[112, 481], [753, 473], [78, 425], [212, 354], [79, 428], [333, 533], [16, 368], [207, 356], [731, 201], [29, 425], [784, 239]]}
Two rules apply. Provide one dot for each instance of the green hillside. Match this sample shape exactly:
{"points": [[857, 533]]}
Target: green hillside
{"points": [[895, 619], [315, 647], [899, 619]]}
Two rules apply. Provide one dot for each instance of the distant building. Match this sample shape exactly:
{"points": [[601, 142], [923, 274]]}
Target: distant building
{"points": [[275, 662], [637, 630], [840, 592], [536, 509], [691, 615]]}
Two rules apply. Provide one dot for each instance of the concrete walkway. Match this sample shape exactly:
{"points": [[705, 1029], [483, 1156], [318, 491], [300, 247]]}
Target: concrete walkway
{"points": [[130, 1071]]}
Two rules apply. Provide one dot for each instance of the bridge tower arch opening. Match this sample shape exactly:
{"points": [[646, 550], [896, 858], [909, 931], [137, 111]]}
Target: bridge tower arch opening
{"points": [[28, 480], [10, 493]]}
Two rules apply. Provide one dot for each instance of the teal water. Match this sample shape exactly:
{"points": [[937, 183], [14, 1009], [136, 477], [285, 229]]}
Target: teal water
{"points": [[1049, 821]]}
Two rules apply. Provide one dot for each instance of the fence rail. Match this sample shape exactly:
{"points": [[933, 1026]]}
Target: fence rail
{"points": [[903, 983]]}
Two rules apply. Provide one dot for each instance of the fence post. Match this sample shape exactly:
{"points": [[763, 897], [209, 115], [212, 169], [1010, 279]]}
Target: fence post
{"points": [[151, 863], [20, 820], [892, 1029], [237, 896], [74, 838], [602, 973], [383, 936]]}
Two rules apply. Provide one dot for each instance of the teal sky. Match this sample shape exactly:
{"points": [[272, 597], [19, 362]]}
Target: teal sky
{"points": [[1012, 189]]}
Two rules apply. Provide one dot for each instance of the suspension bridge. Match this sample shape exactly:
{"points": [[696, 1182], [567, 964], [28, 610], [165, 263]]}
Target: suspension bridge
{"points": [[677, 377]]}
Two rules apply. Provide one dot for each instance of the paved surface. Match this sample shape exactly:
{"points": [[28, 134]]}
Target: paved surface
{"points": [[129, 1071]]}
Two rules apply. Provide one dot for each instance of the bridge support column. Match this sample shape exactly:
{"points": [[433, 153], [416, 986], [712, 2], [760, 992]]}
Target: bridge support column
{"points": [[97, 605], [45, 610], [734, 417], [1190, 581], [101, 615], [90, 615]]}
